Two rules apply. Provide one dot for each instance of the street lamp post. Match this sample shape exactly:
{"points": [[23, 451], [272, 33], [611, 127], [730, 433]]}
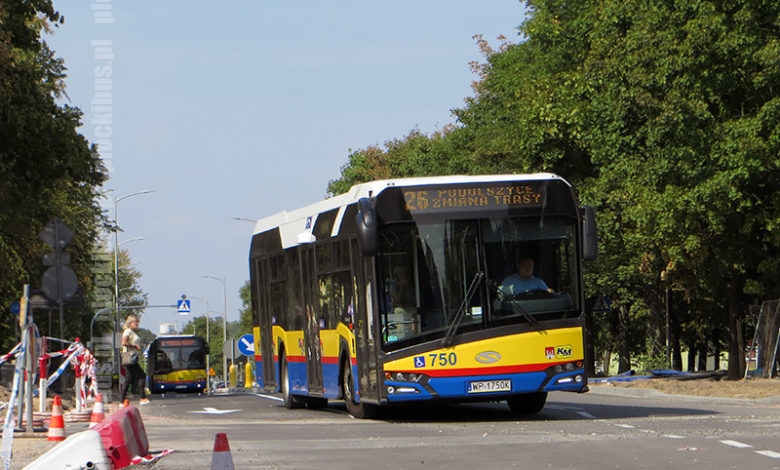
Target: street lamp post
{"points": [[245, 219], [116, 267], [208, 340], [224, 323]]}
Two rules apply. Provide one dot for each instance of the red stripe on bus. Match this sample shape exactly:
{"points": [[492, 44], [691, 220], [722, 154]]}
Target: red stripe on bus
{"points": [[453, 372]]}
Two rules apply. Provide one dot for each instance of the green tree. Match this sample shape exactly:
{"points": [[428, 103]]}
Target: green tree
{"points": [[414, 155], [197, 326], [246, 319], [47, 168], [665, 116]]}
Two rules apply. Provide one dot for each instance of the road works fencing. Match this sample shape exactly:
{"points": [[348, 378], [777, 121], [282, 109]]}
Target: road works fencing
{"points": [[763, 352]]}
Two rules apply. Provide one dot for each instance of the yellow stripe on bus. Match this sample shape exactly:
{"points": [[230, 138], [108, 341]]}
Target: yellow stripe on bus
{"points": [[536, 347]]}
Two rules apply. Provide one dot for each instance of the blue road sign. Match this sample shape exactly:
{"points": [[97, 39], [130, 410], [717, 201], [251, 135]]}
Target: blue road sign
{"points": [[183, 306], [15, 308], [246, 345]]}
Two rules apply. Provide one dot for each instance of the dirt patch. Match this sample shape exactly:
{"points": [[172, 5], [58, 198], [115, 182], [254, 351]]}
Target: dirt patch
{"points": [[27, 447], [753, 389]]}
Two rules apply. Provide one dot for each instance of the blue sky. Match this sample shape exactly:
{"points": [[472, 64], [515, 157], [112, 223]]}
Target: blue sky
{"points": [[247, 108]]}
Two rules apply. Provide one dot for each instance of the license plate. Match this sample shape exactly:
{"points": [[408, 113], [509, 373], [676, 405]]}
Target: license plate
{"points": [[487, 386]]}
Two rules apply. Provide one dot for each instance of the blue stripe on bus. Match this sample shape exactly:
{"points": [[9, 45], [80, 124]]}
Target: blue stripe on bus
{"points": [[299, 382], [456, 387]]}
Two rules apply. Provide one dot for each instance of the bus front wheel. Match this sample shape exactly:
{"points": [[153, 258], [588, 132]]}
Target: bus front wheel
{"points": [[290, 401], [358, 410], [528, 403]]}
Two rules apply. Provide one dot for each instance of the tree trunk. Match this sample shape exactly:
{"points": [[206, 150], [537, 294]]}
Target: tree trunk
{"points": [[691, 363], [674, 340], [624, 353], [702, 355], [606, 360], [590, 355], [736, 359]]}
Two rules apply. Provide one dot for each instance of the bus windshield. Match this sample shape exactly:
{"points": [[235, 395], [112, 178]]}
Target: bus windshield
{"points": [[432, 274], [172, 355]]}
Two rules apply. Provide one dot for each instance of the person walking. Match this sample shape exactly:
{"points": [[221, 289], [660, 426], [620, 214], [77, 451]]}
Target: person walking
{"points": [[131, 342]]}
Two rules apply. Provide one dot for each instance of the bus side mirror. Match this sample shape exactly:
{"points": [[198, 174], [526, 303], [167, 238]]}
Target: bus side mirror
{"points": [[366, 227], [590, 247]]}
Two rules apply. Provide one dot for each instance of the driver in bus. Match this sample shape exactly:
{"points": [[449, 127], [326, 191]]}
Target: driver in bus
{"points": [[523, 280]]}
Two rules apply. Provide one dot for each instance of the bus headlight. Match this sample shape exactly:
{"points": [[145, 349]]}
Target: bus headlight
{"points": [[406, 377], [401, 390]]}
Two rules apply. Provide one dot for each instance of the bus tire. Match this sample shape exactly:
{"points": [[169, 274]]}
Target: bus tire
{"points": [[290, 401], [527, 403], [358, 410]]}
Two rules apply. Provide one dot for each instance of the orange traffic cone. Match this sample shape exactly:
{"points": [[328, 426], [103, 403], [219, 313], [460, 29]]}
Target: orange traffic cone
{"points": [[57, 423], [221, 459], [97, 412]]}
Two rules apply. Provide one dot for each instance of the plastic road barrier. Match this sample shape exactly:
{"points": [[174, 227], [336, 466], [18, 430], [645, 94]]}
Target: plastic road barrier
{"points": [[124, 436]]}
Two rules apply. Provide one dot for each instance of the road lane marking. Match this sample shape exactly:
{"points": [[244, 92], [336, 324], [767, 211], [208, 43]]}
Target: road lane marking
{"points": [[736, 444], [270, 397], [213, 411], [769, 453]]}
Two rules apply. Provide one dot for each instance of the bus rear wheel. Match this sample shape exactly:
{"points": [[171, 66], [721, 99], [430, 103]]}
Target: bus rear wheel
{"points": [[290, 401], [528, 403], [358, 410]]}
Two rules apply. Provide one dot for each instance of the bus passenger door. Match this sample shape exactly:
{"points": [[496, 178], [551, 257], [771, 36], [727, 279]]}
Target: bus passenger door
{"points": [[311, 335], [268, 277], [368, 374]]}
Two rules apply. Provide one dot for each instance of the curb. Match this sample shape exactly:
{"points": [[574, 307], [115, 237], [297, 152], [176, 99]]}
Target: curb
{"points": [[653, 393]]}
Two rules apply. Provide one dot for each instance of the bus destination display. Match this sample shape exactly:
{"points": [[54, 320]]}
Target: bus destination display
{"points": [[492, 196]]}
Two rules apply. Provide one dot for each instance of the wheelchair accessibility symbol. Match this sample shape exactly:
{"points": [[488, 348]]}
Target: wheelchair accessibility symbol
{"points": [[419, 361]]}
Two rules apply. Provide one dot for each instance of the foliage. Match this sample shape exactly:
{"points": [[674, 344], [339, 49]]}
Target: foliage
{"points": [[414, 155], [47, 168], [246, 320], [665, 116]]}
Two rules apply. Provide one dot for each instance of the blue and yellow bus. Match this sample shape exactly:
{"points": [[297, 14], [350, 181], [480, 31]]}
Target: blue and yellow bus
{"points": [[391, 294], [177, 364]]}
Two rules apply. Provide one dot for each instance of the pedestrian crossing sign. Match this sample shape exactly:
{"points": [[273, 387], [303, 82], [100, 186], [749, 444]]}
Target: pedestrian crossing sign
{"points": [[183, 306]]}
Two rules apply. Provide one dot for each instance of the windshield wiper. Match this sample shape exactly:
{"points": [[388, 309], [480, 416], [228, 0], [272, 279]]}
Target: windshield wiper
{"points": [[447, 341]]}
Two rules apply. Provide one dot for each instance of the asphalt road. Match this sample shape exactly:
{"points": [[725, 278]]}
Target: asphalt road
{"points": [[620, 429], [591, 431]]}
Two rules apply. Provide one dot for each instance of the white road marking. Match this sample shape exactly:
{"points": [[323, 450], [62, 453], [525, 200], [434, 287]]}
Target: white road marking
{"points": [[627, 426], [769, 453], [585, 414], [270, 397], [213, 411], [742, 445], [736, 444]]}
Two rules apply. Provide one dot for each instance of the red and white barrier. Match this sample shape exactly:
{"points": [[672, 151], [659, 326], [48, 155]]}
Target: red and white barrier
{"points": [[83, 363], [124, 436]]}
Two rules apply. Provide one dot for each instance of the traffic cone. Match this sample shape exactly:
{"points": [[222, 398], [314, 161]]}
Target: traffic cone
{"points": [[56, 423], [221, 459], [97, 412]]}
